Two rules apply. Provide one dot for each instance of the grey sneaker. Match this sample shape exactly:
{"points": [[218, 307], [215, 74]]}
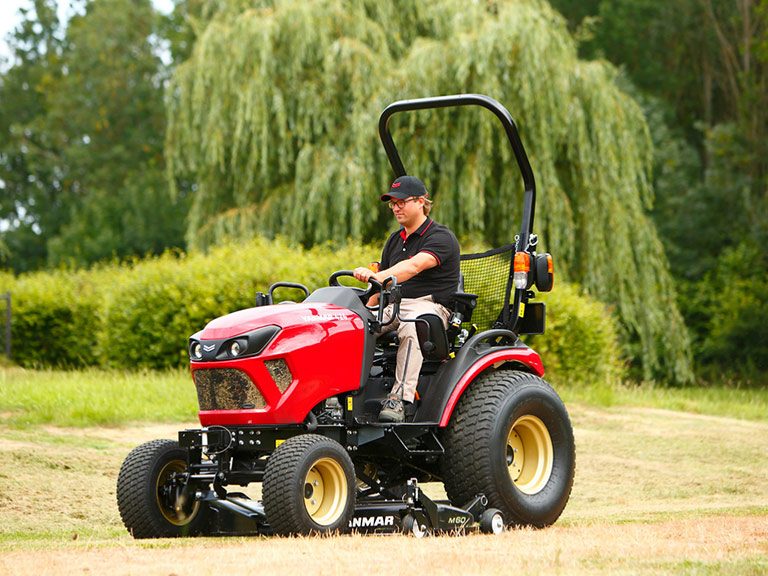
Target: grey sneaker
{"points": [[392, 410]]}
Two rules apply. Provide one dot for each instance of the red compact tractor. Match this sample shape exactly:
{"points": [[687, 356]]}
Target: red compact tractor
{"points": [[289, 397]]}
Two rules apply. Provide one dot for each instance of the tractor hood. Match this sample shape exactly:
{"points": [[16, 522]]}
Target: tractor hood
{"points": [[273, 364], [282, 315]]}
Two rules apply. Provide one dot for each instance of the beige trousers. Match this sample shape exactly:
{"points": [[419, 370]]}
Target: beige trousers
{"points": [[407, 377]]}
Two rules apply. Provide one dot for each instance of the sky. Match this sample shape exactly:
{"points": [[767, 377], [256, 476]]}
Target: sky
{"points": [[9, 16]]}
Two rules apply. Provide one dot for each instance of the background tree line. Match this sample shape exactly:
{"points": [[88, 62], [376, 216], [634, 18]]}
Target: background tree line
{"points": [[700, 70], [102, 152]]}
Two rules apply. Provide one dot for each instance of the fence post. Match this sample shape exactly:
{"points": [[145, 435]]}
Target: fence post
{"points": [[7, 297]]}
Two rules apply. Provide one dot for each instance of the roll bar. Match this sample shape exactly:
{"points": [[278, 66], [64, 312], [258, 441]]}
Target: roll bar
{"points": [[529, 198], [508, 320]]}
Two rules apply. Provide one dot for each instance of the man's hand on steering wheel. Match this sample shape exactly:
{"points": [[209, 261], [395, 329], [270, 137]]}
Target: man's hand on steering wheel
{"points": [[363, 274]]}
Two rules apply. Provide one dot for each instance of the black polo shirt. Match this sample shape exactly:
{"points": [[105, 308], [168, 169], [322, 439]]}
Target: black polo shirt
{"points": [[440, 281]]}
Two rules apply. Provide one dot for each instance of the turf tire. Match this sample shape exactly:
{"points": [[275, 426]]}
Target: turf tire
{"points": [[138, 498], [284, 489], [476, 447]]}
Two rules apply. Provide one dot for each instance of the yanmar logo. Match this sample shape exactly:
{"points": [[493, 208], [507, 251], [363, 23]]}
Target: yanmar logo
{"points": [[396, 184], [323, 317], [372, 521]]}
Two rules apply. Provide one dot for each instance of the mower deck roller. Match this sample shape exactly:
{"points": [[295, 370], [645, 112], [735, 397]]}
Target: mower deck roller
{"points": [[289, 396]]}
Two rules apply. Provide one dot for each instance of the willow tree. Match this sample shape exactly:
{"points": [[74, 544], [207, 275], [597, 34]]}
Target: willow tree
{"points": [[274, 117]]}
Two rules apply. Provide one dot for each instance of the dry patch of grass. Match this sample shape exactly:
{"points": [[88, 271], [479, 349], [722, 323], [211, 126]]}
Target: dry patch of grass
{"points": [[722, 544], [59, 483], [656, 491], [639, 463]]}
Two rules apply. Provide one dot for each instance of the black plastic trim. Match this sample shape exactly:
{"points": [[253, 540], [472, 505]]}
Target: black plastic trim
{"points": [[254, 343]]}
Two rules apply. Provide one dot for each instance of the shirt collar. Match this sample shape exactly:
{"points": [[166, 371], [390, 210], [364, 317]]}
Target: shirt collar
{"points": [[420, 230]]}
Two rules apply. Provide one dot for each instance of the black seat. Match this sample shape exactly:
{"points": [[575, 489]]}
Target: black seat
{"points": [[433, 340]]}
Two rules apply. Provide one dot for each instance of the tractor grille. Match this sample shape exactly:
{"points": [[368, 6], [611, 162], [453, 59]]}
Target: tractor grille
{"points": [[226, 389], [280, 373]]}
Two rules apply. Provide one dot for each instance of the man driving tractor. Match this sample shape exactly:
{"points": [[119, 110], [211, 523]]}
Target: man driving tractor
{"points": [[424, 258]]}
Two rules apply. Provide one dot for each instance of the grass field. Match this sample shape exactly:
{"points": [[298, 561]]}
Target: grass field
{"points": [[96, 397], [656, 490]]}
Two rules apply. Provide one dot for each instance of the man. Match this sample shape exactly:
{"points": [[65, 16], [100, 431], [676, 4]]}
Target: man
{"points": [[424, 257]]}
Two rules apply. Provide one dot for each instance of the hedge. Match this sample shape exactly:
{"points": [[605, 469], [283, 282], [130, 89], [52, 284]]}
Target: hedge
{"points": [[56, 319], [140, 315], [580, 343]]}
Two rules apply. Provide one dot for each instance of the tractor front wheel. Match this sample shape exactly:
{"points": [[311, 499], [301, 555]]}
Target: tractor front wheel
{"points": [[309, 486], [510, 438], [152, 501]]}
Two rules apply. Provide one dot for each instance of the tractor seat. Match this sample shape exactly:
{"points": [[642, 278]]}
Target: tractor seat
{"points": [[433, 340], [431, 334]]}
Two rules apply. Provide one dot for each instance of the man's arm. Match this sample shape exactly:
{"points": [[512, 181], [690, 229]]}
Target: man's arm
{"points": [[403, 271]]}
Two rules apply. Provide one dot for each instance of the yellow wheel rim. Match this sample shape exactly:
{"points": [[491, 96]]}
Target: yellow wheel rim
{"points": [[175, 508], [529, 454], [325, 491]]}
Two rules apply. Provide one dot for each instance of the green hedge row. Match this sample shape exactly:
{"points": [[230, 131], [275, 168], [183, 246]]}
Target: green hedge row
{"points": [[580, 343], [140, 315], [56, 318]]}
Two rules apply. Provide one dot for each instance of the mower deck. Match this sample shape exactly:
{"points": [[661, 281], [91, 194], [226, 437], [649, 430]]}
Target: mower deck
{"points": [[238, 515]]}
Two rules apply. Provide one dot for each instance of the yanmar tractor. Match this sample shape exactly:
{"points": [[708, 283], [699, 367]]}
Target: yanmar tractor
{"points": [[289, 396]]}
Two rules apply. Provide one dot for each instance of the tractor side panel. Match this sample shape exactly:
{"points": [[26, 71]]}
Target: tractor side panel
{"points": [[317, 354]]}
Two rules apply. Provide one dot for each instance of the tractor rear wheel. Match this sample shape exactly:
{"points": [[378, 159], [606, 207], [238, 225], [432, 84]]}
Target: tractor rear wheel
{"points": [[510, 438], [309, 486], [151, 503]]}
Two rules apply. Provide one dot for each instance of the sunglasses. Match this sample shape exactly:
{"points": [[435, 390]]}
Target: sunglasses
{"points": [[400, 203]]}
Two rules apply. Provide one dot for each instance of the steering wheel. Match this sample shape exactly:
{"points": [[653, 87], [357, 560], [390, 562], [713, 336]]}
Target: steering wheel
{"points": [[364, 295]]}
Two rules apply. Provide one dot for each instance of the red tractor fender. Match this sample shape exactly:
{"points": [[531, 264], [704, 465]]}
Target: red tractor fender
{"points": [[524, 356]]}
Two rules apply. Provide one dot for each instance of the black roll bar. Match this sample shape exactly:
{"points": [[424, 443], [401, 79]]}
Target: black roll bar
{"points": [[529, 196]]}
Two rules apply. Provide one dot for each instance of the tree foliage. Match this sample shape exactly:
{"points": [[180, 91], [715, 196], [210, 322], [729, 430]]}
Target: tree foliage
{"points": [[274, 118], [83, 122], [700, 70], [30, 200], [705, 64]]}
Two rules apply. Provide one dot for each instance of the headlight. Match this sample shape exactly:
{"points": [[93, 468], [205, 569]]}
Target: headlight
{"points": [[201, 349]]}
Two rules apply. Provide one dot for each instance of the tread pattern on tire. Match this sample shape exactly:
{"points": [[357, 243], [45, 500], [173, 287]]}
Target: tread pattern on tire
{"points": [[467, 464], [133, 499], [282, 471]]}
